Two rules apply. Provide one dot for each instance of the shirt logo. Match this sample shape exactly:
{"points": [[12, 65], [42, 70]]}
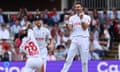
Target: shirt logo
{"points": [[37, 38], [77, 23]]}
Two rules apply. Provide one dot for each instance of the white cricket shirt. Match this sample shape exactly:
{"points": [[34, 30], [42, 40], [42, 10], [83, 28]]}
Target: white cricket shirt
{"points": [[77, 28], [42, 35]]}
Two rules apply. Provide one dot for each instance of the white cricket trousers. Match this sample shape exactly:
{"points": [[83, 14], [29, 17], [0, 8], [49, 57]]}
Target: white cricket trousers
{"points": [[34, 64], [44, 54], [81, 45]]}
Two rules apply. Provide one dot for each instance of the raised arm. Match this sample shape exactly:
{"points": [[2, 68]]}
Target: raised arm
{"points": [[85, 22]]}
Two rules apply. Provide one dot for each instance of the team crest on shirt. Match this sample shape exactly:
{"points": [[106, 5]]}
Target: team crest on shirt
{"points": [[77, 23]]}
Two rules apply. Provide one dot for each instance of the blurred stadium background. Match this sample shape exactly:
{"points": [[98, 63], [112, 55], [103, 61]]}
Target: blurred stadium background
{"points": [[104, 27]]}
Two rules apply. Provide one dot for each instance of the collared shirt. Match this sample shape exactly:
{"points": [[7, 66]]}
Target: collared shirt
{"points": [[75, 21], [15, 29], [30, 46], [4, 34], [42, 35], [56, 18]]}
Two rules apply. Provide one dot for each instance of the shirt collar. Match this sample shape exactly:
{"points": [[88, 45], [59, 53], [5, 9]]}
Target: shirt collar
{"points": [[81, 13]]}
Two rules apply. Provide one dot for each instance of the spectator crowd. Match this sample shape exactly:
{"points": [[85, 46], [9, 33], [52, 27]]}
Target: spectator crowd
{"points": [[104, 28]]}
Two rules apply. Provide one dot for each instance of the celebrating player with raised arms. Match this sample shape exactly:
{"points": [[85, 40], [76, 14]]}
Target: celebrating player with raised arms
{"points": [[78, 26]]}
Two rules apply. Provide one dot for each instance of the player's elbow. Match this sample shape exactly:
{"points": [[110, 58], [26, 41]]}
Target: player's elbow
{"points": [[69, 27]]}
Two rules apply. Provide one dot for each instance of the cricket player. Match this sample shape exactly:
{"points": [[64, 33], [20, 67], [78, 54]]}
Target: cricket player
{"points": [[78, 26], [30, 47], [43, 38]]}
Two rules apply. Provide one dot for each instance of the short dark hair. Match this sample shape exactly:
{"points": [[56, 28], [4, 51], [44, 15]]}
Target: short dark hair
{"points": [[3, 25], [37, 18], [78, 2]]}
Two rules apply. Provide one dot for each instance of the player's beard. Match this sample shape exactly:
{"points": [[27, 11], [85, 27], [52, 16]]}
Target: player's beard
{"points": [[79, 11], [39, 26]]}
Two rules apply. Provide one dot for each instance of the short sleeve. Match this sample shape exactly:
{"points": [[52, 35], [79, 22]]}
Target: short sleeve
{"points": [[70, 20], [48, 34], [87, 19], [30, 33]]}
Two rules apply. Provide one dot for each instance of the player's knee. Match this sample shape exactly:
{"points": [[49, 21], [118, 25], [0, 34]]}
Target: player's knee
{"points": [[84, 63]]}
